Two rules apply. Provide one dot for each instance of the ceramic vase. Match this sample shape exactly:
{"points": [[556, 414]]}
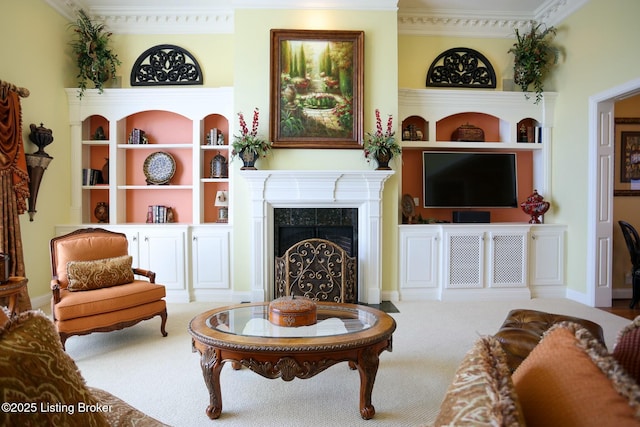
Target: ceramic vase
{"points": [[249, 158], [383, 158], [102, 212]]}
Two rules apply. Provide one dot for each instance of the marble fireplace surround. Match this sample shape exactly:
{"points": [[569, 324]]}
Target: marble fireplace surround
{"points": [[317, 189]]}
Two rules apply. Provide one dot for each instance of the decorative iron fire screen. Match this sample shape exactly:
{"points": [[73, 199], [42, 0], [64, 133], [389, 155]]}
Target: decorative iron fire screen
{"points": [[165, 65]]}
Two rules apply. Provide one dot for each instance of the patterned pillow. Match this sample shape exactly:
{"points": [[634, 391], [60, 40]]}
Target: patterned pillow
{"points": [[39, 382], [569, 379], [627, 349], [482, 393], [100, 273]]}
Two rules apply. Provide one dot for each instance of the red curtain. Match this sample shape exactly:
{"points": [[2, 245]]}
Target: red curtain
{"points": [[14, 186]]}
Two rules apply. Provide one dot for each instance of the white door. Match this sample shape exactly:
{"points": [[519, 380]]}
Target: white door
{"points": [[599, 272]]}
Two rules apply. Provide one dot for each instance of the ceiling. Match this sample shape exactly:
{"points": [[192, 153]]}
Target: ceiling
{"points": [[478, 18]]}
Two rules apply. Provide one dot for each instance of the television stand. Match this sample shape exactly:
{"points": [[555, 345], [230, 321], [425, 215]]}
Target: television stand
{"points": [[471, 216]]}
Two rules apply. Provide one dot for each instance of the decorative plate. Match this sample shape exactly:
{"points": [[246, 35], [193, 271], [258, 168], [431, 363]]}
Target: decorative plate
{"points": [[159, 168]]}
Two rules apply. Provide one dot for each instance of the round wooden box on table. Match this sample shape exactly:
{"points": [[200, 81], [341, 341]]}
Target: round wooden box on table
{"points": [[292, 311]]}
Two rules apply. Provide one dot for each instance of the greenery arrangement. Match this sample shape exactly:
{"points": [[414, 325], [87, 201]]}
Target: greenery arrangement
{"points": [[381, 142], [534, 55], [249, 140], [96, 61]]}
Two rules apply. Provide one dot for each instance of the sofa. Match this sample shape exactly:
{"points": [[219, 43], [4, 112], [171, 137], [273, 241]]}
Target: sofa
{"points": [[40, 384], [565, 377]]}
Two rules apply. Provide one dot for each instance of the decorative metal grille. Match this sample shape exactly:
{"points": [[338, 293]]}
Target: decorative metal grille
{"points": [[461, 67], [164, 65], [508, 265], [465, 267]]}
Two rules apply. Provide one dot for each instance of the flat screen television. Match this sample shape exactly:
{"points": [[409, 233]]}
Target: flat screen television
{"points": [[467, 179]]}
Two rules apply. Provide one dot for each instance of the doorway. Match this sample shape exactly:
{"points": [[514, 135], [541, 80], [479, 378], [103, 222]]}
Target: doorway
{"points": [[600, 199]]}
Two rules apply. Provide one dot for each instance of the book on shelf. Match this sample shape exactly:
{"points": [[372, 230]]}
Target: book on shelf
{"points": [[91, 176], [159, 214]]}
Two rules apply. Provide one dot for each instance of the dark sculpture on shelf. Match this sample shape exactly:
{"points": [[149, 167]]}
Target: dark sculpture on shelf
{"points": [[461, 67], [37, 163], [164, 65], [535, 206]]}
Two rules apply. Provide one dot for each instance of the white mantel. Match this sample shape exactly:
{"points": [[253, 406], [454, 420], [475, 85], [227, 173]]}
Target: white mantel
{"points": [[361, 189]]}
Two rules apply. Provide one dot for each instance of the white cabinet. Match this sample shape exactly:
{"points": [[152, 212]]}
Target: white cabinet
{"points": [[134, 129], [476, 261], [485, 260], [419, 257], [547, 260], [210, 261], [161, 250]]}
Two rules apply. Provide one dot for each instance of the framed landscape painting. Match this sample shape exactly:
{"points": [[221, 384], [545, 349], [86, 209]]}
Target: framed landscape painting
{"points": [[316, 88], [627, 152]]}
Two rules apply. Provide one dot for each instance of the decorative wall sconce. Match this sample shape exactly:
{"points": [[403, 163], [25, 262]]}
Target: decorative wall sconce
{"points": [[37, 163], [222, 202]]}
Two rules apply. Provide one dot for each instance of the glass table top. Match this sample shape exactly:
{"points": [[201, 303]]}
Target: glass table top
{"points": [[253, 320]]}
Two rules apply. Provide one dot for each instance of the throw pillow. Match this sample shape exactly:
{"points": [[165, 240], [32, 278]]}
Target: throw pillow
{"points": [[100, 273], [627, 349], [482, 393], [569, 379], [40, 385]]}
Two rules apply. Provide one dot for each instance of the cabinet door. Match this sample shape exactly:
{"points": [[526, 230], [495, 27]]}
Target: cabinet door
{"points": [[507, 259], [162, 251], [419, 259], [547, 256], [464, 259], [210, 251]]}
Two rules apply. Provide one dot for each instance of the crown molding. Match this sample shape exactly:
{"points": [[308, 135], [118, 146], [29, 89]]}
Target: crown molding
{"points": [[317, 4], [210, 17], [482, 24]]}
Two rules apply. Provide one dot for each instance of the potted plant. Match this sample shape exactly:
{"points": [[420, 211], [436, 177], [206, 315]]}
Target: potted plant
{"points": [[96, 61], [381, 145], [248, 145], [534, 55]]}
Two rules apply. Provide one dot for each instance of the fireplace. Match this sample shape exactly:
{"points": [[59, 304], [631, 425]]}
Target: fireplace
{"points": [[356, 192], [338, 225]]}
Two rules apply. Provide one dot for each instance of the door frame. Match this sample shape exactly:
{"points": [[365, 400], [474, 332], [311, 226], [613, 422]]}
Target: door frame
{"points": [[600, 197]]}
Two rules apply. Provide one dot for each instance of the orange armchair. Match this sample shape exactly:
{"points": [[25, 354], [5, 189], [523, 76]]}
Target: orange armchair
{"points": [[94, 287]]}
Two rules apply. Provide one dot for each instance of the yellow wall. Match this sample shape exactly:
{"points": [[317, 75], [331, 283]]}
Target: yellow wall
{"points": [[416, 53], [34, 41], [251, 88], [598, 39]]}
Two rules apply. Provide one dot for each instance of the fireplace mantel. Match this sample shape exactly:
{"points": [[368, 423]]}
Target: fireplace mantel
{"points": [[361, 189]]}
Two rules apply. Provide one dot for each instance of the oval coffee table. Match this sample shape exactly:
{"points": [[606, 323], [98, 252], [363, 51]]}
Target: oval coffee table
{"points": [[242, 334]]}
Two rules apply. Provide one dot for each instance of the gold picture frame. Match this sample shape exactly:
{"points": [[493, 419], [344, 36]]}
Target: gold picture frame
{"points": [[316, 88], [627, 153]]}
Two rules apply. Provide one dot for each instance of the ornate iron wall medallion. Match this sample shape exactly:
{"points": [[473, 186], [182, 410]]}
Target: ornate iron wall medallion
{"points": [[164, 65], [461, 67]]}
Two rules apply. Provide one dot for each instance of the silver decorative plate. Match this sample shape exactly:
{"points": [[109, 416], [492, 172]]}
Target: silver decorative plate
{"points": [[159, 168]]}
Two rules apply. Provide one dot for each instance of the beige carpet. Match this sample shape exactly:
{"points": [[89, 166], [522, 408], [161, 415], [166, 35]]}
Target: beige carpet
{"points": [[162, 377]]}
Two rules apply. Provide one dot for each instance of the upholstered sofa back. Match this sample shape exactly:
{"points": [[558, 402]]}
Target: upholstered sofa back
{"points": [[85, 247]]}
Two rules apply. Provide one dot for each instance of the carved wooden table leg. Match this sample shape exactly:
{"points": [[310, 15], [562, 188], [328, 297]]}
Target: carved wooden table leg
{"points": [[211, 367], [368, 362]]}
